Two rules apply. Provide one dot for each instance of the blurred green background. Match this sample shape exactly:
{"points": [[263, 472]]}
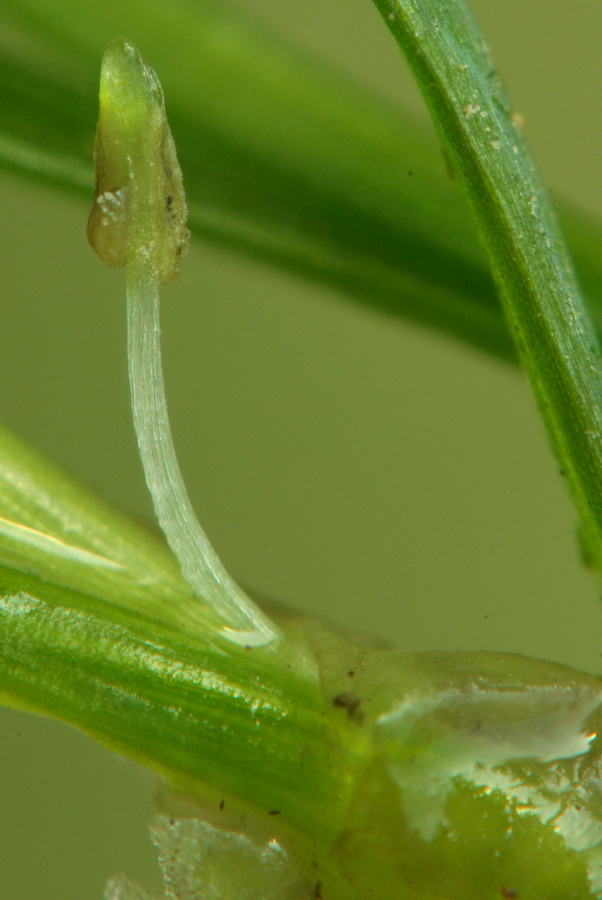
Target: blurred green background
{"points": [[392, 480]]}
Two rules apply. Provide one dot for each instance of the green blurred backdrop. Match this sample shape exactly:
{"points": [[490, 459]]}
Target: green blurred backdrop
{"points": [[392, 480]]}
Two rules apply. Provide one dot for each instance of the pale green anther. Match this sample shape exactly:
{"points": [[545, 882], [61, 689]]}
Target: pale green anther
{"points": [[140, 206], [139, 219]]}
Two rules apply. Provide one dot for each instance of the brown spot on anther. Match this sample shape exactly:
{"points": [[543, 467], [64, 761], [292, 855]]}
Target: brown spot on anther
{"points": [[350, 673], [248, 647], [509, 893], [318, 891], [274, 812], [222, 803]]}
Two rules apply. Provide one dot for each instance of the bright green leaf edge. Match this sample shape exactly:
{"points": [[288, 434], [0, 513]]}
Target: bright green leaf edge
{"points": [[282, 160], [555, 338]]}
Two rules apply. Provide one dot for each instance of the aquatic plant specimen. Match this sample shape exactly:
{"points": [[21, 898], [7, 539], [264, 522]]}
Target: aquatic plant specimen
{"points": [[445, 774], [139, 219], [381, 773]]}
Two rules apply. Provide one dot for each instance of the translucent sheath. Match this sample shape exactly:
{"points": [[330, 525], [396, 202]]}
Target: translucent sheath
{"points": [[139, 218]]}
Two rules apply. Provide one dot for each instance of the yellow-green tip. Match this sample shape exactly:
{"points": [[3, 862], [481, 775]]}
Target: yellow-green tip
{"points": [[139, 207]]}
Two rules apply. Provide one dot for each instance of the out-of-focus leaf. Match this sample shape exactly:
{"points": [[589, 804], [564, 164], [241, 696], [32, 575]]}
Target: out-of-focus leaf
{"points": [[281, 160]]}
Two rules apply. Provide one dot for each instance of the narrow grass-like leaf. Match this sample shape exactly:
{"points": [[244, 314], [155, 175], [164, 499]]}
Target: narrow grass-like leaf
{"points": [[51, 528], [281, 160], [542, 301]]}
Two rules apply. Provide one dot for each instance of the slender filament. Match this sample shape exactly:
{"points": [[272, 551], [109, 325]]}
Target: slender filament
{"points": [[199, 562], [139, 219]]}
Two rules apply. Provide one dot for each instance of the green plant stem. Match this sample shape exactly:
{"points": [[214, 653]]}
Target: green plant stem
{"points": [[195, 708]]}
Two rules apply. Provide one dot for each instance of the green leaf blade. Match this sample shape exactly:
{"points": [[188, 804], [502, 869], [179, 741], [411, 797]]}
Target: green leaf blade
{"points": [[542, 301]]}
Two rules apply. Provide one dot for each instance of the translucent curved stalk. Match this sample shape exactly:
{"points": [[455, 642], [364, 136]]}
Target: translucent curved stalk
{"points": [[198, 560], [139, 219]]}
